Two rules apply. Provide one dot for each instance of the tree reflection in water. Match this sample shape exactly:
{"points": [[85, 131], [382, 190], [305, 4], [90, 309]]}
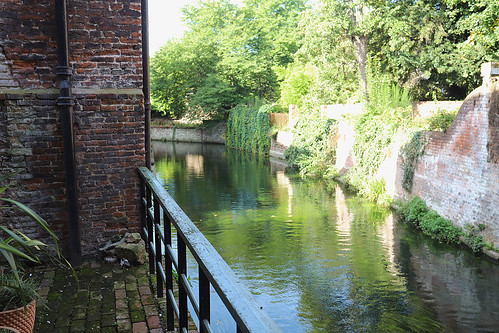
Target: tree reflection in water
{"points": [[321, 260]]}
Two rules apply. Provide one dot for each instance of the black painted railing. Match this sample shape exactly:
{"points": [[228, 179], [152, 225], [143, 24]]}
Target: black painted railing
{"points": [[158, 206]]}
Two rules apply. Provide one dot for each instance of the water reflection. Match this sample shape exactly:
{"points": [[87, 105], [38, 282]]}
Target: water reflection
{"points": [[319, 260]]}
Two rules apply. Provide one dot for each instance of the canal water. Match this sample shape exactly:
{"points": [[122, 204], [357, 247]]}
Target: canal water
{"points": [[318, 259]]}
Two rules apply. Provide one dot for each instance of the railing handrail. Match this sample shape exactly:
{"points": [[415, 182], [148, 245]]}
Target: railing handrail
{"points": [[246, 311]]}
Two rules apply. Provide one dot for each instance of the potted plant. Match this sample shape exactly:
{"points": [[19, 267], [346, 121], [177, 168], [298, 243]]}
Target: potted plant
{"points": [[18, 294]]}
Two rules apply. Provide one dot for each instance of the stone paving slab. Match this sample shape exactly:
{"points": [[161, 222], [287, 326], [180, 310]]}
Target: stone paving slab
{"points": [[107, 298]]}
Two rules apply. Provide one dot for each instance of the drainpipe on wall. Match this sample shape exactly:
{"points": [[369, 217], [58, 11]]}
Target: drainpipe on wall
{"points": [[145, 81], [66, 102]]}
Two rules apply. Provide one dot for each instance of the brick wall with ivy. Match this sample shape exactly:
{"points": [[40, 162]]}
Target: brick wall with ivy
{"points": [[458, 175], [458, 172], [105, 53]]}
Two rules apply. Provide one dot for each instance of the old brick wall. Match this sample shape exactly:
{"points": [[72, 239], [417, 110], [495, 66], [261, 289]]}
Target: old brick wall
{"points": [[458, 175], [105, 53]]}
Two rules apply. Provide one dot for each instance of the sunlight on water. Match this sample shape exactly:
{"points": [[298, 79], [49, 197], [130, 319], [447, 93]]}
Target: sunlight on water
{"points": [[318, 259]]}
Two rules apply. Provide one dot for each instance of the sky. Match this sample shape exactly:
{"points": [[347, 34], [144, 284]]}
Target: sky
{"points": [[165, 21]]}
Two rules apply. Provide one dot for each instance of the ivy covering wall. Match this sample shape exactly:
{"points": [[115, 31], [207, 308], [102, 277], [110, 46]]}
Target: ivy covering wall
{"points": [[249, 129], [312, 150]]}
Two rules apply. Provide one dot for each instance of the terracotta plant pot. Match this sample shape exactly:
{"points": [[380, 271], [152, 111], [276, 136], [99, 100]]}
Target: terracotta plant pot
{"points": [[19, 320]]}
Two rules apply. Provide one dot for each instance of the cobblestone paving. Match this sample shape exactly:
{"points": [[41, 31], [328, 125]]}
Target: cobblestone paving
{"points": [[106, 299]]}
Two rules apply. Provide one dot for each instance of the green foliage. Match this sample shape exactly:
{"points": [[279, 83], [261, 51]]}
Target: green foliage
{"points": [[385, 95], [439, 228], [214, 96], [312, 149], [409, 154], [16, 293], [295, 84], [326, 59], [249, 129], [387, 111], [433, 48], [413, 210], [226, 56], [441, 120], [169, 80], [282, 50], [436, 47], [416, 212], [472, 238], [16, 247], [375, 192]]}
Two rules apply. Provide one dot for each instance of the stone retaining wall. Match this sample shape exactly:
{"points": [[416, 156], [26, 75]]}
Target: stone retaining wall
{"points": [[214, 134]]}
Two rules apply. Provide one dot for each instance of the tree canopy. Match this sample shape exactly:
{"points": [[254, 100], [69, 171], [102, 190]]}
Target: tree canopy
{"points": [[329, 51], [226, 56]]}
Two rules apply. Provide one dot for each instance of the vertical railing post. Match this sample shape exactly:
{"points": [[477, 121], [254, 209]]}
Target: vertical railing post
{"points": [[157, 243], [182, 293], [204, 301], [168, 272], [149, 231], [143, 210]]}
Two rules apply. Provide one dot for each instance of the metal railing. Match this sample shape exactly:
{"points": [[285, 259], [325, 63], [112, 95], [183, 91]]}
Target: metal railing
{"points": [[213, 270]]}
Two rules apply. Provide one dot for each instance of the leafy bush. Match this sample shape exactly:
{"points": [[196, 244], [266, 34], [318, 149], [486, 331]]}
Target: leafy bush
{"points": [[249, 129], [417, 213], [375, 192], [413, 210], [387, 112], [439, 228], [441, 120], [472, 238], [312, 149], [214, 97]]}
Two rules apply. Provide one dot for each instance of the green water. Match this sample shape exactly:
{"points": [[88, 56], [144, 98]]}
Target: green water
{"points": [[318, 259]]}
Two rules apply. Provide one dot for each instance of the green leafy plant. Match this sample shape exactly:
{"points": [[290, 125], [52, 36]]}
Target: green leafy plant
{"points": [[17, 248], [413, 210], [430, 222], [12, 291], [439, 228], [385, 114], [472, 238], [249, 129], [409, 154], [441, 120], [312, 150]]}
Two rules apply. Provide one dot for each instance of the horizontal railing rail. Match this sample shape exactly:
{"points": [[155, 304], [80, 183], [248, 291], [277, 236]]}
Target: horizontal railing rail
{"points": [[248, 315]]}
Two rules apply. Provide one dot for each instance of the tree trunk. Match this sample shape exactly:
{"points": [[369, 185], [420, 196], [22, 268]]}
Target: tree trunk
{"points": [[360, 44]]}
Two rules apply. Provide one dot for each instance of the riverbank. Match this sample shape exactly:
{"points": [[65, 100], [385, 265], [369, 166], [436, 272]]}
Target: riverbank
{"points": [[214, 133]]}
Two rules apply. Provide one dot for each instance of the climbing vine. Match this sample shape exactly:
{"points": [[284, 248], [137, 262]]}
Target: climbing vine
{"points": [[387, 112], [409, 154], [375, 129], [312, 150], [249, 129]]}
